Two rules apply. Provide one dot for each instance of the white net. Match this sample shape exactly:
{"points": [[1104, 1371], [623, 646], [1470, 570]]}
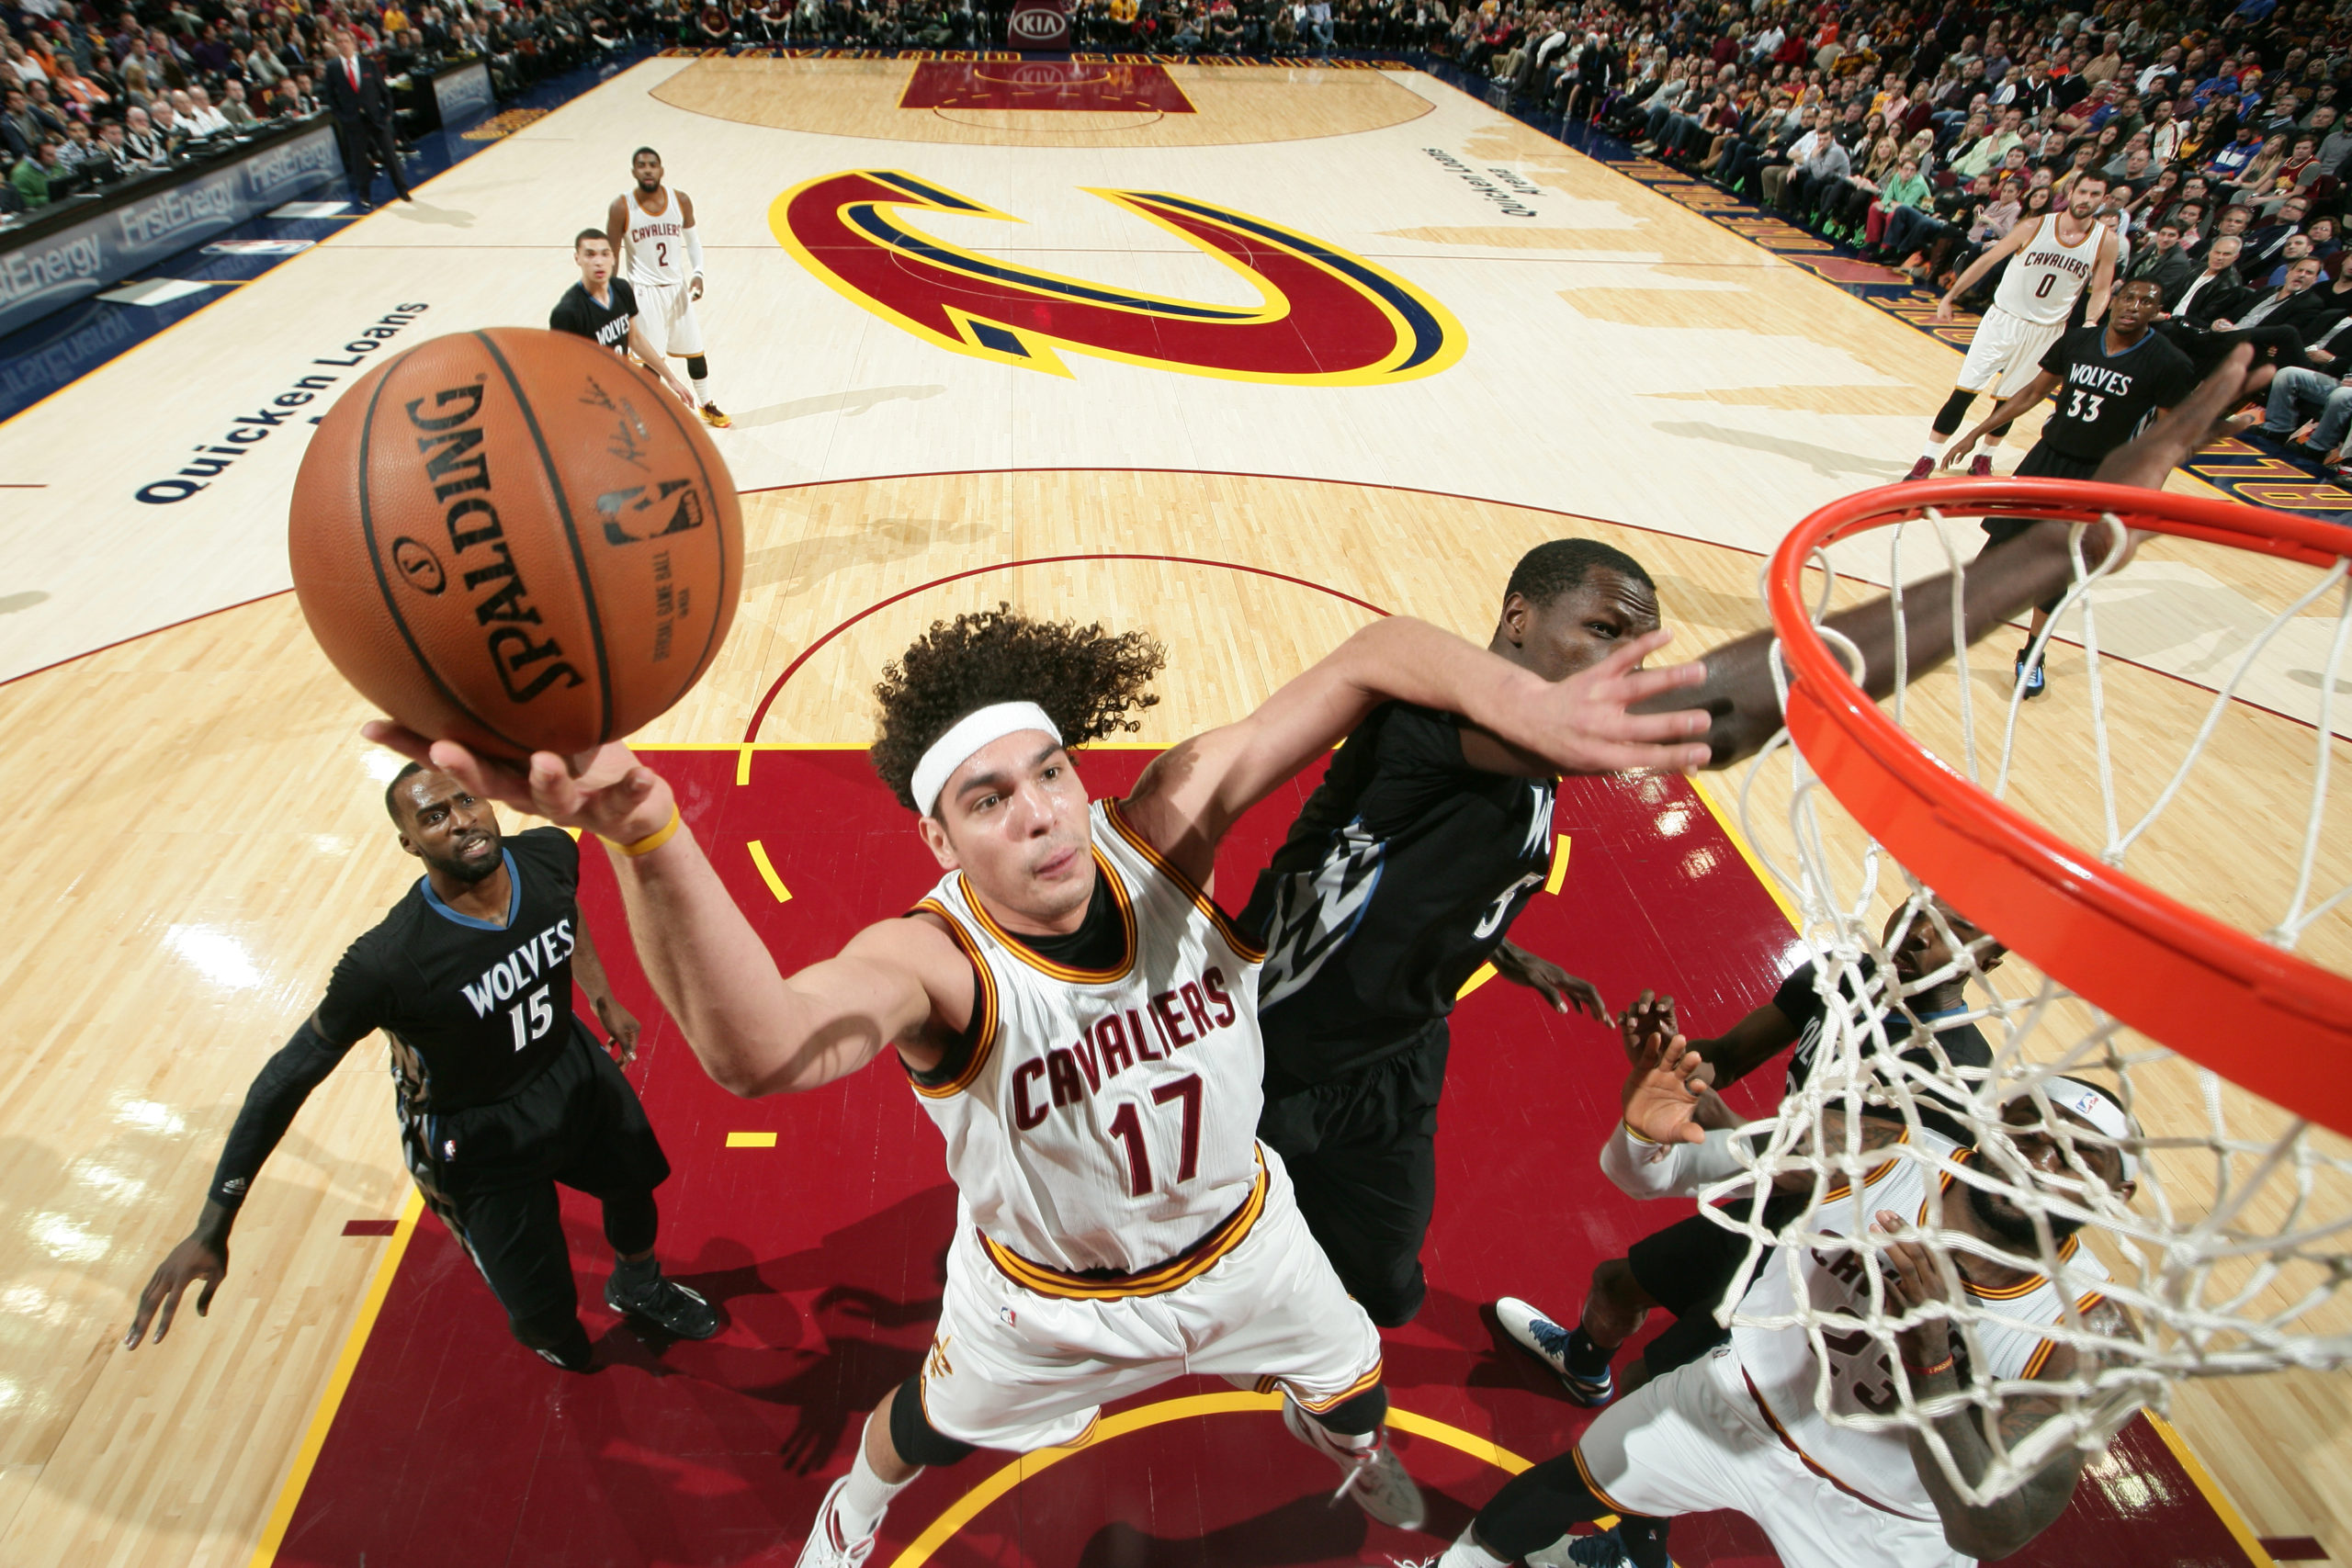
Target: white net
{"points": [[2233, 1252]]}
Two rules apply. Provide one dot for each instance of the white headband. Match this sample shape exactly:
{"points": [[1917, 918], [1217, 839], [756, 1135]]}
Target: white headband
{"points": [[2094, 1107], [966, 736]]}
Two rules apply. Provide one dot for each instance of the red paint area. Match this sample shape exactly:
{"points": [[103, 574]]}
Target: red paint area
{"points": [[1325, 324], [454, 1447], [1042, 85], [371, 1227]]}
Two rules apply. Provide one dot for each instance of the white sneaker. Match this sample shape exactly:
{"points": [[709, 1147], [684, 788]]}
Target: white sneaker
{"points": [[1548, 1343], [827, 1546], [1373, 1477]]}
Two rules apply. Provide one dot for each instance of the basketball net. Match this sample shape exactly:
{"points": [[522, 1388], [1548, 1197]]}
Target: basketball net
{"points": [[2231, 1254]]}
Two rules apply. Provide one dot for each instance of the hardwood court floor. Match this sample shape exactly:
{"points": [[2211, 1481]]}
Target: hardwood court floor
{"points": [[199, 826]]}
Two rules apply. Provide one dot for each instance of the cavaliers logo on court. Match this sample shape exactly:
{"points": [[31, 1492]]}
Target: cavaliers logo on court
{"points": [[1323, 317]]}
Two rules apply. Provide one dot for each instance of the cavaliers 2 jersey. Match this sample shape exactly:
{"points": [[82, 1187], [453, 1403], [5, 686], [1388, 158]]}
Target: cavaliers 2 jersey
{"points": [[657, 243], [1105, 1120]]}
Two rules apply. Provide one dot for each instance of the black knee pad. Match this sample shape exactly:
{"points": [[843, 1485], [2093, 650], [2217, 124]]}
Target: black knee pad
{"points": [[1955, 409], [911, 1433], [631, 1221], [1354, 1416], [698, 367], [1998, 433]]}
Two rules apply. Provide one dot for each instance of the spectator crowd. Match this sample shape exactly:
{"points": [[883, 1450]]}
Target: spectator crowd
{"points": [[2212, 135]]}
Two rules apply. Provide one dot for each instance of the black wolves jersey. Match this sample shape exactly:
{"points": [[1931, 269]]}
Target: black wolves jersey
{"points": [[2104, 399], [1401, 876], [473, 1010], [607, 325], [1963, 1045]]}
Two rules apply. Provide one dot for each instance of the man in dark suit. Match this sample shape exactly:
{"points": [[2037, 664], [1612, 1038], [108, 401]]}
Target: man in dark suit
{"points": [[2162, 263], [2216, 291], [362, 107]]}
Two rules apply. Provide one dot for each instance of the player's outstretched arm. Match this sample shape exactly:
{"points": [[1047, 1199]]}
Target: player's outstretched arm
{"points": [[755, 1030], [1191, 794], [2018, 234], [2004, 413], [277, 1092], [2006, 1524], [1738, 691]]}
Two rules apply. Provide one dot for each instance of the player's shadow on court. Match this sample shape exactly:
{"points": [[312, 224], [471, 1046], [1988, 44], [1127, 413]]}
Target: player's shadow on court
{"points": [[857, 400], [1826, 461], [1301, 1530], [797, 568]]}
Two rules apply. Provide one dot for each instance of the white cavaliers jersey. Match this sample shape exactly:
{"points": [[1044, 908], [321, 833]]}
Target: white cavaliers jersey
{"points": [[657, 243], [1106, 1119], [2043, 276], [1784, 1373]]}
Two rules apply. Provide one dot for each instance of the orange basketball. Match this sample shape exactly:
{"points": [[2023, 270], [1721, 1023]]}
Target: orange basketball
{"points": [[516, 539]]}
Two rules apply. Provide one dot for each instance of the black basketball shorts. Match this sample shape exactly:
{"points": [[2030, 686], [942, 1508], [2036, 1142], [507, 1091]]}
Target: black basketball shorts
{"points": [[490, 1171]]}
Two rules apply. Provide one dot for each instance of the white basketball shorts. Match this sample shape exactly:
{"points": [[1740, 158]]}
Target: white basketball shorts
{"points": [[2006, 352], [1695, 1440], [1025, 1366], [666, 313]]}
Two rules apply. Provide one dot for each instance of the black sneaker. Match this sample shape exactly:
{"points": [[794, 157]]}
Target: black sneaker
{"points": [[2030, 677], [668, 1306], [574, 1355]]}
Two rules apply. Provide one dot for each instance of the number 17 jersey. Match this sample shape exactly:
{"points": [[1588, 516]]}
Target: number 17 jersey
{"points": [[1106, 1120]]}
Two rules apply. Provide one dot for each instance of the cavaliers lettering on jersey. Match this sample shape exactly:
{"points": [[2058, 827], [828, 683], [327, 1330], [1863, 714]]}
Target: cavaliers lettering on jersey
{"points": [[1784, 1373], [604, 323], [657, 243], [1401, 876], [2105, 400], [2044, 275], [1105, 1120], [474, 1010]]}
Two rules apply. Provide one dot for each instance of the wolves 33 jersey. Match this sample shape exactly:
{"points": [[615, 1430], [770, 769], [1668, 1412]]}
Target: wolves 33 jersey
{"points": [[1784, 1373], [1106, 1120]]}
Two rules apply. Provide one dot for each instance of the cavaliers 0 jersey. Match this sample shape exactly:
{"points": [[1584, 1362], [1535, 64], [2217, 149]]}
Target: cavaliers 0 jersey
{"points": [[657, 243], [1784, 1373], [1106, 1120], [2043, 276]]}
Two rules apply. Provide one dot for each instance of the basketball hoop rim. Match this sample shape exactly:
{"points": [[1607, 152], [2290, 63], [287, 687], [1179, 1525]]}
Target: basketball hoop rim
{"points": [[2258, 1015]]}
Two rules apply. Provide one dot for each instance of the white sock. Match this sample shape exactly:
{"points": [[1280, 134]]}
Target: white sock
{"points": [[1936, 445], [702, 388], [1467, 1553], [866, 1498]]}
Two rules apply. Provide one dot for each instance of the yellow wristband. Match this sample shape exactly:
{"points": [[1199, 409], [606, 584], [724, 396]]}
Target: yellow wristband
{"points": [[651, 841]]}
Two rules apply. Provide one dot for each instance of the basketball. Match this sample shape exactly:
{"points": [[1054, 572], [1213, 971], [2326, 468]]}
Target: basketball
{"points": [[515, 539]]}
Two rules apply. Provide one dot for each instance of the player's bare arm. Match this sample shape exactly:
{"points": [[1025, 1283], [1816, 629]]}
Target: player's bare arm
{"points": [[2008, 244], [1998, 1528], [1190, 797], [2033, 392], [616, 227], [694, 242], [1737, 692], [755, 1030], [588, 967], [2102, 277], [1566, 992], [1746, 1045], [642, 351]]}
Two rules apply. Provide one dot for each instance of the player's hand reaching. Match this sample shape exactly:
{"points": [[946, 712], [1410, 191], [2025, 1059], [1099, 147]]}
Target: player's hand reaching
{"points": [[1957, 453], [620, 1026], [1583, 724], [190, 1261], [1566, 992], [606, 792], [1647, 1026], [1943, 311], [1662, 1094], [1912, 1281]]}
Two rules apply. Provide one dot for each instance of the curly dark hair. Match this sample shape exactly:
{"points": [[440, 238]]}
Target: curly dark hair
{"points": [[1086, 679]]}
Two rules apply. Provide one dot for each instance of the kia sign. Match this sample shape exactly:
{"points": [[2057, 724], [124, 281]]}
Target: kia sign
{"points": [[1038, 24]]}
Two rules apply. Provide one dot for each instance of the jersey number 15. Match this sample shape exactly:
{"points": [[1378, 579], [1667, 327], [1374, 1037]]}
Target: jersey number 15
{"points": [[541, 1019]]}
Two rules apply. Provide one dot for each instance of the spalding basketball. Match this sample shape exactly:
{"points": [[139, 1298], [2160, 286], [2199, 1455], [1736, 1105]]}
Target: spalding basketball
{"points": [[516, 539]]}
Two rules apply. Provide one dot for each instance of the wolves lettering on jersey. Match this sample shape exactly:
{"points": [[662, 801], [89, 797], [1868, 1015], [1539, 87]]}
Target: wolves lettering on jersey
{"points": [[1785, 1374], [1106, 1119], [518, 969], [2100, 379], [657, 243]]}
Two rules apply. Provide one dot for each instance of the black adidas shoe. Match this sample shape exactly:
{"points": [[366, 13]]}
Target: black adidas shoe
{"points": [[573, 1354], [666, 1305]]}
